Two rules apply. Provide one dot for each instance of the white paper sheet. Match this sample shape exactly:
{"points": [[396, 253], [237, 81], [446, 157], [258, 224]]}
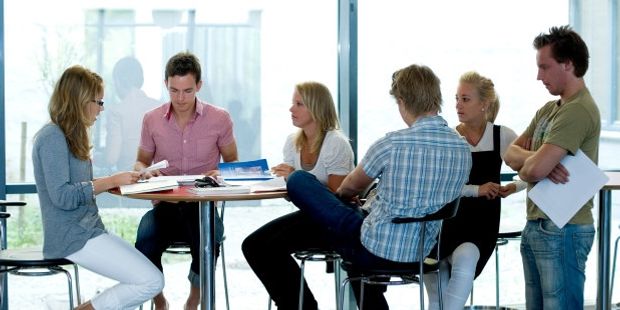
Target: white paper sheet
{"points": [[560, 202], [159, 165], [273, 185], [182, 179]]}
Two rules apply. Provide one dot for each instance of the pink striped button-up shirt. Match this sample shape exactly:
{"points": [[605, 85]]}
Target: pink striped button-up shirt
{"points": [[194, 150]]}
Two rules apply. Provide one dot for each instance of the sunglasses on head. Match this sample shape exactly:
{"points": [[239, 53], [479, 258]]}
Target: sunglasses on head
{"points": [[206, 182]]}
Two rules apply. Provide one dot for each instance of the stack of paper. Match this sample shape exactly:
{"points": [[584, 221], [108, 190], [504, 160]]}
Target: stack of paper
{"points": [[145, 187], [224, 190], [273, 185], [181, 179], [560, 202]]}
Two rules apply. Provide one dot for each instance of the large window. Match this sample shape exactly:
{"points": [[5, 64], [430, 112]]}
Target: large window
{"points": [[487, 36], [252, 56], [493, 38]]}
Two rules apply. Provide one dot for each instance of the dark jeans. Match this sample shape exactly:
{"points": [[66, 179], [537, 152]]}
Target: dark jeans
{"points": [[169, 222], [268, 252], [341, 223]]}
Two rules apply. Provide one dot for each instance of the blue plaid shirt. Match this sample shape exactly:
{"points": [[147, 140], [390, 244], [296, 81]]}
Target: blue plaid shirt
{"points": [[420, 168]]}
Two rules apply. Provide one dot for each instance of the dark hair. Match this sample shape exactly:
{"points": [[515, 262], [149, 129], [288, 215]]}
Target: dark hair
{"points": [[183, 63], [566, 45]]}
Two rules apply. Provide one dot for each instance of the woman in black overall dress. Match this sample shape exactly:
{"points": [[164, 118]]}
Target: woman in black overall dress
{"points": [[468, 239]]}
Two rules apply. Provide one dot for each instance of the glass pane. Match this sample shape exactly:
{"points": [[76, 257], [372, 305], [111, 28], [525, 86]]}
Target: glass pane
{"points": [[596, 26], [467, 36], [252, 55]]}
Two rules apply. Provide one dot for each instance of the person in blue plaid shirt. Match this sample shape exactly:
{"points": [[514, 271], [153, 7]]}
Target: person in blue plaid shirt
{"points": [[420, 169]]}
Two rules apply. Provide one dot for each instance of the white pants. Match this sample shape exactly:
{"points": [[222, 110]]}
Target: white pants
{"points": [[112, 257], [456, 284]]}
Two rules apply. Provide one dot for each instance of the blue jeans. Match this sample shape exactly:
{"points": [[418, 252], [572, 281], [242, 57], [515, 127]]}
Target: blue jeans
{"points": [[341, 222], [554, 262]]}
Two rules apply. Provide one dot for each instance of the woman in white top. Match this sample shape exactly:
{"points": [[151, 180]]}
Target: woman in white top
{"points": [[321, 149], [468, 239]]}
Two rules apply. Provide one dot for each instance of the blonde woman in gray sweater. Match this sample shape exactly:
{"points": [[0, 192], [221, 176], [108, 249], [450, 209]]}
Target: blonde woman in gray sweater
{"points": [[72, 227]]}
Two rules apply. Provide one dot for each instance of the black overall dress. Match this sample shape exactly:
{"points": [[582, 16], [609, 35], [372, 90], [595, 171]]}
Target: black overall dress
{"points": [[477, 220]]}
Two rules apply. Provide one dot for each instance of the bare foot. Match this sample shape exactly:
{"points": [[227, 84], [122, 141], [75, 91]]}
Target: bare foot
{"points": [[193, 300], [85, 306]]}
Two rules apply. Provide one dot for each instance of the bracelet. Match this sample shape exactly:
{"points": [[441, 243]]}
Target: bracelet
{"points": [[92, 184]]}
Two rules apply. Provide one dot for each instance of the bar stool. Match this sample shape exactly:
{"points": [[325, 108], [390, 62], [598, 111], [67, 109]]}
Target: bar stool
{"points": [[502, 239], [317, 256], [30, 262], [405, 273]]}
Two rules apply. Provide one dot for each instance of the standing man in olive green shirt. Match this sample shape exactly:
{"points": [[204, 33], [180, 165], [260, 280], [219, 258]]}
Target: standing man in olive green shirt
{"points": [[554, 258]]}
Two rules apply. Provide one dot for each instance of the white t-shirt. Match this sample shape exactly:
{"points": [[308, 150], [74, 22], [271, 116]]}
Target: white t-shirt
{"points": [[506, 136], [335, 156]]}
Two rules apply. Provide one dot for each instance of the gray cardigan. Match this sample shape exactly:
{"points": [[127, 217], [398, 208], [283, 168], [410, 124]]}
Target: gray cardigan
{"points": [[68, 208]]}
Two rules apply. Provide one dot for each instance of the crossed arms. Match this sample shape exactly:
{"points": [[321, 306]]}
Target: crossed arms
{"points": [[534, 166]]}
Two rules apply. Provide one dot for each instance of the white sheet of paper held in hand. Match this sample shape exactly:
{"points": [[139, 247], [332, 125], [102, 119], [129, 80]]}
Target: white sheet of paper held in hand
{"points": [[160, 165], [560, 202]]}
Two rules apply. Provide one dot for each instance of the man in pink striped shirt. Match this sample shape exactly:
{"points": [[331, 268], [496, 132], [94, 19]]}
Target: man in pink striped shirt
{"points": [[193, 136]]}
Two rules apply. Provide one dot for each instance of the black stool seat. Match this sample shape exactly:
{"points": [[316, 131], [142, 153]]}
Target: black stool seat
{"points": [[509, 234], [29, 257], [317, 255], [178, 247], [30, 262], [331, 258], [392, 269]]}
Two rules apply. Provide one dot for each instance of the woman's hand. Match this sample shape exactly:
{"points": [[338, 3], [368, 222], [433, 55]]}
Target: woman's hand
{"points": [[124, 178], [489, 190], [282, 170], [505, 191], [149, 174]]}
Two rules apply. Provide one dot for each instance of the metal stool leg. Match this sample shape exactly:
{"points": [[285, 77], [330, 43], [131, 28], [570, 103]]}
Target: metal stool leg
{"points": [[77, 284], [613, 269], [343, 287], [496, 276], [224, 261], [337, 278], [69, 283], [301, 285]]}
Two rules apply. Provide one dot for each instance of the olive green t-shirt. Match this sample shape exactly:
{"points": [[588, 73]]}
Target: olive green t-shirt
{"points": [[571, 125]]}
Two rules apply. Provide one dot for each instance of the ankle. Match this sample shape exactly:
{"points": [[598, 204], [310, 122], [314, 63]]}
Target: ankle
{"points": [[85, 306], [160, 302]]}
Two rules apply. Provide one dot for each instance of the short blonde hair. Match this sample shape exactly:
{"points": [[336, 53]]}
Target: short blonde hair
{"points": [[320, 103], [418, 87], [486, 91], [68, 107]]}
